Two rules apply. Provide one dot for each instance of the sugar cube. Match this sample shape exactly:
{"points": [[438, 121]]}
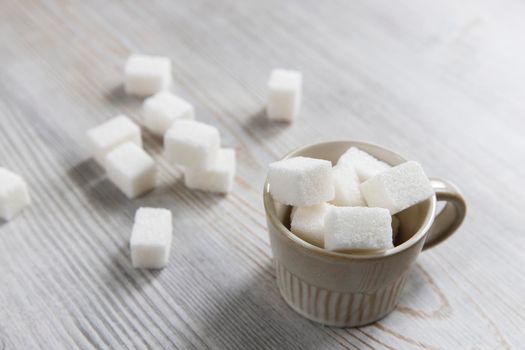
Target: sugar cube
{"points": [[397, 188], [301, 181], [357, 228], [365, 165], [308, 223], [192, 144], [284, 94], [145, 75], [112, 133], [346, 184], [14, 194], [131, 169], [150, 242], [162, 109], [217, 178]]}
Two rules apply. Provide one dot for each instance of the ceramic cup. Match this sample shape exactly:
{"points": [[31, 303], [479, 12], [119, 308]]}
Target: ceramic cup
{"points": [[355, 288]]}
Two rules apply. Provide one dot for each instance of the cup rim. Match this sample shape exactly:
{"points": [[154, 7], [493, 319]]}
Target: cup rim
{"points": [[361, 255]]}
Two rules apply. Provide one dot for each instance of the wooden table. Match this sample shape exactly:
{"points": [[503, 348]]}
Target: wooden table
{"points": [[442, 82]]}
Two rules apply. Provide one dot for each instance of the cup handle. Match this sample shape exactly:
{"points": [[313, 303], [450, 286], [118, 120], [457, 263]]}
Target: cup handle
{"points": [[450, 217]]}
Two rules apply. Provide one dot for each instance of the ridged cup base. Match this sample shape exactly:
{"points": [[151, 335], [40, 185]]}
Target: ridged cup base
{"points": [[334, 308]]}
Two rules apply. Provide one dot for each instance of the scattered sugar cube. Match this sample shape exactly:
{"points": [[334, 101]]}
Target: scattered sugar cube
{"points": [[364, 164], [192, 144], [357, 228], [162, 109], [301, 181], [217, 178], [397, 188], [308, 223], [146, 75], [14, 194], [131, 169], [346, 184], [114, 132], [150, 242], [284, 94]]}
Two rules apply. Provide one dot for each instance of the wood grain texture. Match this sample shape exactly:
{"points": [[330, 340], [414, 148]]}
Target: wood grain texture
{"points": [[440, 82]]}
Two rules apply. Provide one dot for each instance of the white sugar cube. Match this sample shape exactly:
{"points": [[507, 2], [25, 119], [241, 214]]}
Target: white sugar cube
{"points": [[284, 94], [162, 109], [14, 194], [346, 184], [308, 223], [217, 178], [397, 188], [357, 228], [150, 242], [146, 75], [301, 181], [192, 144], [131, 169], [112, 133], [364, 164]]}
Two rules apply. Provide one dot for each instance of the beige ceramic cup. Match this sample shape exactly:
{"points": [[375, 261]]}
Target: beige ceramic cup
{"points": [[356, 288]]}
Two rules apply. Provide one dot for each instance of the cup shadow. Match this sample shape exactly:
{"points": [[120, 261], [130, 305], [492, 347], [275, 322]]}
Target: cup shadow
{"points": [[254, 315], [246, 313]]}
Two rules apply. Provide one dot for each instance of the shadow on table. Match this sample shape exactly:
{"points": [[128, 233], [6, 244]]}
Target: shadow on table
{"points": [[226, 312], [91, 179], [117, 96], [253, 315], [263, 126]]}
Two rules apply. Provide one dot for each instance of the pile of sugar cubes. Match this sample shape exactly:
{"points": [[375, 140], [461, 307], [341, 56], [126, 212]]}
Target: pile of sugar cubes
{"points": [[117, 146], [117, 143], [350, 205]]}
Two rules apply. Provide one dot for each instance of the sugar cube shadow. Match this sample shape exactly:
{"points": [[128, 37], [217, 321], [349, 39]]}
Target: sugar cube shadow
{"points": [[117, 96], [138, 278], [264, 127], [91, 179]]}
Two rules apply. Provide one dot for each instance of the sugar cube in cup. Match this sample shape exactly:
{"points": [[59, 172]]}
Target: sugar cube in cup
{"points": [[346, 184], [308, 223], [146, 75], [349, 228], [217, 178], [398, 187], [131, 169], [150, 242], [14, 194], [301, 181], [284, 95], [365, 165], [192, 144], [105, 137], [162, 109]]}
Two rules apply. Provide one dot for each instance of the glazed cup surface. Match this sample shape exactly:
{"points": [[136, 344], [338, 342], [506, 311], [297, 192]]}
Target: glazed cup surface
{"points": [[355, 288]]}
